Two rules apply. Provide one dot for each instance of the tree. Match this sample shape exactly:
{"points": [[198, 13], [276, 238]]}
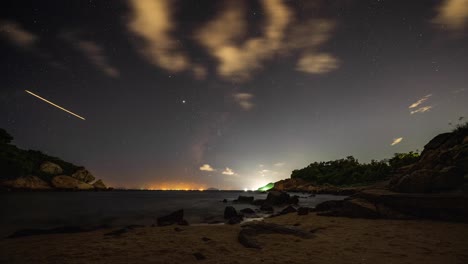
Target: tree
{"points": [[403, 159], [5, 138]]}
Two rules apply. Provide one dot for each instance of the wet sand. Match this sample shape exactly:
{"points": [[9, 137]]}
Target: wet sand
{"points": [[335, 240]]}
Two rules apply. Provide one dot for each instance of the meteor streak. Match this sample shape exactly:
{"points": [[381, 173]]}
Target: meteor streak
{"points": [[58, 106]]}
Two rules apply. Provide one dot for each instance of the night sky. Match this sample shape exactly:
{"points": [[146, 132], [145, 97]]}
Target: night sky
{"points": [[229, 94]]}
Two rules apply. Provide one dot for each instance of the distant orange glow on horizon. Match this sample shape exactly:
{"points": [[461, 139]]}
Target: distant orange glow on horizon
{"points": [[177, 186]]}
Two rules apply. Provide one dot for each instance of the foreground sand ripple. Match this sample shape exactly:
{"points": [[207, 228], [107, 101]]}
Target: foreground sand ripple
{"points": [[335, 240]]}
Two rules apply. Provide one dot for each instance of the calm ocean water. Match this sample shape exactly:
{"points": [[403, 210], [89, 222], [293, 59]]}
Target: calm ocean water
{"points": [[116, 208]]}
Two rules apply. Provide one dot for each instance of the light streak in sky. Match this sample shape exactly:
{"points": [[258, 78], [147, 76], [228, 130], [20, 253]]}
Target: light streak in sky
{"points": [[58, 106]]}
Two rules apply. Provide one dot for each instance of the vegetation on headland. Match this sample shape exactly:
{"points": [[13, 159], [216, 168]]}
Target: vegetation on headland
{"points": [[16, 162], [349, 171]]}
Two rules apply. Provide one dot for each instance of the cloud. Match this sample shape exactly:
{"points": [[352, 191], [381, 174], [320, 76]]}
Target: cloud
{"points": [[453, 14], [244, 100], [396, 141], [206, 167], [422, 109], [228, 171], [237, 55], [17, 35], [151, 21], [199, 72], [93, 52], [420, 101], [279, 164], [237, 59], [317, 63]]}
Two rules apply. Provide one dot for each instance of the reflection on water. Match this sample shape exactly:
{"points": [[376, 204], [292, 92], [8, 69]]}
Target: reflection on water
{"points": [[51, 209]]}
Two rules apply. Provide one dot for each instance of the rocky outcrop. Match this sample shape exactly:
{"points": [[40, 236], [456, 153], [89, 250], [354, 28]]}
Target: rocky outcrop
{"points": [[441, 168], [230, 213], [70, 183], [380, 203], [275, 198], [176, 217], [83, 175], [99, 185], [26, 182], [51, 168]]}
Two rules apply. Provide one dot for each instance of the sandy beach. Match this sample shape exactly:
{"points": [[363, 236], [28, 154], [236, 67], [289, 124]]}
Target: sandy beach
{"points": [[335, 240]]}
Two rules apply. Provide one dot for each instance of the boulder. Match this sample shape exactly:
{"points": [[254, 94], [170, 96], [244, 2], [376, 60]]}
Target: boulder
{"points": [[51, 168], [294, 199], [67, 182], [266, 208], [277, 198], [288, 210], [176, 217], [83, 175], [229, 212], [447, 178], [235, 220], [26, 182], [437, 142], [99, 184], [328, 205], [355, 208], [419, 181]]}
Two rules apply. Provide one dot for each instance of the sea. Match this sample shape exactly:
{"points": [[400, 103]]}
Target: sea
{"points": [[42, 210]]}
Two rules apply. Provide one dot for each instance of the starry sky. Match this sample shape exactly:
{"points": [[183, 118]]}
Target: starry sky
{"points": [[229, 94]]}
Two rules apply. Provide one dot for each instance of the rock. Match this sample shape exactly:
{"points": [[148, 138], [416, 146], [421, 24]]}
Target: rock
{"points": [[303, 211], [277, 198], [176, 217], [447, 178], [235, 219], [247, 235], [419, 181], [83, 175], [67, 182], [247, 211], [436, 142], [51, 168], [229, 212], [267, 208], [423, 180], [99, 184], [294, 199], [244, 199], [441, 167], [329, 205], [26, 182], [288, 210], [355, 208]]}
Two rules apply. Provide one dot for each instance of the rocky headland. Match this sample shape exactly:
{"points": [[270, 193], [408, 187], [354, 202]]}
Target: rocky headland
{"points": [[433, 187], [30, 170]]}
